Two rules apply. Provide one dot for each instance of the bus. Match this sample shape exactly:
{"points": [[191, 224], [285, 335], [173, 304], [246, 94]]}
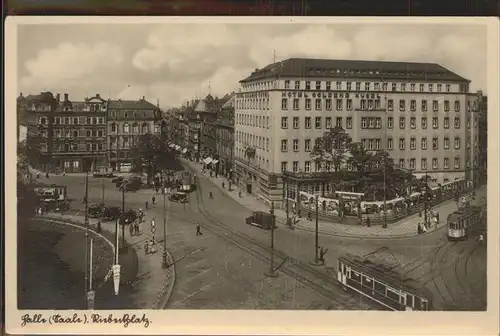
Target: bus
{"points": [[52, 197], [463, 220], [382, 285]]}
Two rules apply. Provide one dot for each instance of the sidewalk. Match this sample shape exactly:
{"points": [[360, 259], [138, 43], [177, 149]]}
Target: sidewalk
{"points": [[404, 228], [153, 284]]}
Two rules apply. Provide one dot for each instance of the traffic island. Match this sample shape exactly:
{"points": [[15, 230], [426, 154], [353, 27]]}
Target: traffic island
{"points": [[67, 239]]}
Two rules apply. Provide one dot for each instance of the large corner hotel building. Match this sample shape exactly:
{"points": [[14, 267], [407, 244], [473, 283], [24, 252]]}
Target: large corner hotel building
{"points": [[422, 113]]}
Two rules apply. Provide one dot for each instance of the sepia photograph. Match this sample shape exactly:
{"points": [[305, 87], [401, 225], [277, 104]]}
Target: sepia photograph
{"points": [[250, 165]]}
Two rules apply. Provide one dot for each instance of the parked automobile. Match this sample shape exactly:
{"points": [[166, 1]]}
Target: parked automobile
{"points": [[133, 184], [117, 179], [111, 213], [103, 172], [179, 197], [261, 219], [128, 217], [96, 210]]}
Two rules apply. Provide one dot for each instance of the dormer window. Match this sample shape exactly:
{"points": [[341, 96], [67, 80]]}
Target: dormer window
{"points": [[66, 109]]}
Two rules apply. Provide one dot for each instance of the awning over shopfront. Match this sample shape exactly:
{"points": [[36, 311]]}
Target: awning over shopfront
{"points": [[215, 161], [177, 147], [171, 145], [207, 160], [184, 151]]}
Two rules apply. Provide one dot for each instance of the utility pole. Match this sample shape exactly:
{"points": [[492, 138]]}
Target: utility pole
{"points": [[102, 189], [271, 272], [285, 198], [384, 225], [425, 199], [123, 214], [86, 235], [165, 258], [316, 245]]}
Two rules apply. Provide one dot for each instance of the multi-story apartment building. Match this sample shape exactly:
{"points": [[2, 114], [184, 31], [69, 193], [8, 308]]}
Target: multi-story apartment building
{"points": [[416, 111], [127, 120], [75, 132], [480, 111], [26, 122], [225, 137], [211, 118]]}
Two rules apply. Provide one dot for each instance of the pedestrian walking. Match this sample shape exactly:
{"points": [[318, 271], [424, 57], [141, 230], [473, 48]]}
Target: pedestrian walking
{"points": [[198, 230], [99, 227], [210, 195], [309, 216], [131, 229], [136, 228], [84, 200], [322, 253], [481, 238], [146, 247], [368, 221], [223, 185], [154, 200], [146, 205]]}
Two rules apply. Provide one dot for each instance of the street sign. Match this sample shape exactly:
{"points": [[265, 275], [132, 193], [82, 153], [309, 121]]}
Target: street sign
{"points": [[90, 299], [153, 229]]}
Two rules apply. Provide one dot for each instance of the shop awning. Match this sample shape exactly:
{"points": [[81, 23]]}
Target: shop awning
{"points": [[177, 147], [184, 151], [215, 161], [171, 145], [207, 160]]}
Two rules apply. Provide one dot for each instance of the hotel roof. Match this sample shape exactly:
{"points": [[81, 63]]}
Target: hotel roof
{"points": [[382, 70]]}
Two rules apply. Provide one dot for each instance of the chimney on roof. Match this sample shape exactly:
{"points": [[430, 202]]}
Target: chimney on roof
{"points": [[58, 97], [98, 95], [66, 97]]}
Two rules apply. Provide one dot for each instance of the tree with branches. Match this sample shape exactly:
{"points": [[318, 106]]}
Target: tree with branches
{"points": [[152, 154], [330, 149]]}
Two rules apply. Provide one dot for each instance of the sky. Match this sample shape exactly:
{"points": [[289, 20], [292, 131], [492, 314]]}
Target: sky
{"points": [[176, 62]]}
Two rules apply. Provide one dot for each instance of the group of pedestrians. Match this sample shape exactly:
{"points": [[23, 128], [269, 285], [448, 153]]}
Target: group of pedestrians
{"points": [[432, 220]]}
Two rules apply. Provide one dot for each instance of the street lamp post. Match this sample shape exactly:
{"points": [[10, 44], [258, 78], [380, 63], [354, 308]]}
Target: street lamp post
{"points": [[165, 258], [123, 214], [272, 272], [316, 237], [384, 225], [102, 189], [86, 236]]}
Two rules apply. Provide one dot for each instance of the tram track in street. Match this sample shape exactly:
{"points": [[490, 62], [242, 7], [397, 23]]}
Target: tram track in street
{"points": [[309, 276], [461, 278]]}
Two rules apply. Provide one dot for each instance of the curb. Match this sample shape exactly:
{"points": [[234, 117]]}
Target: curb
{"points": [[59, 221], [165, 294]]}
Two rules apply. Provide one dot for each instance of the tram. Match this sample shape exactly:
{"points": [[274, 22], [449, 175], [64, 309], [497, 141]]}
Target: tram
{"points": [[382, 285], [462, 221], [187, 181]]}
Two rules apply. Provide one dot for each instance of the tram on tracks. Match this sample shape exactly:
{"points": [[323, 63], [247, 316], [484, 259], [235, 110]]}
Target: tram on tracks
{"points": [[187, 182], [382, 285], [462, 221]]}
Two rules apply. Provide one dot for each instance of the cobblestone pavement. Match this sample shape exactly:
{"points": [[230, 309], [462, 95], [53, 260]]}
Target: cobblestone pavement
{"points": [[429, 254], [206, 263], [210, 272], [404, 228]]}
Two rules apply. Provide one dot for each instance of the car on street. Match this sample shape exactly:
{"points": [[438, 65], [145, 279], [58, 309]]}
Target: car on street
{"points": [[179, 197], [128, 217], [132, 184], [261, 219], [111, 213], [96, 210], [118, 179]]}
